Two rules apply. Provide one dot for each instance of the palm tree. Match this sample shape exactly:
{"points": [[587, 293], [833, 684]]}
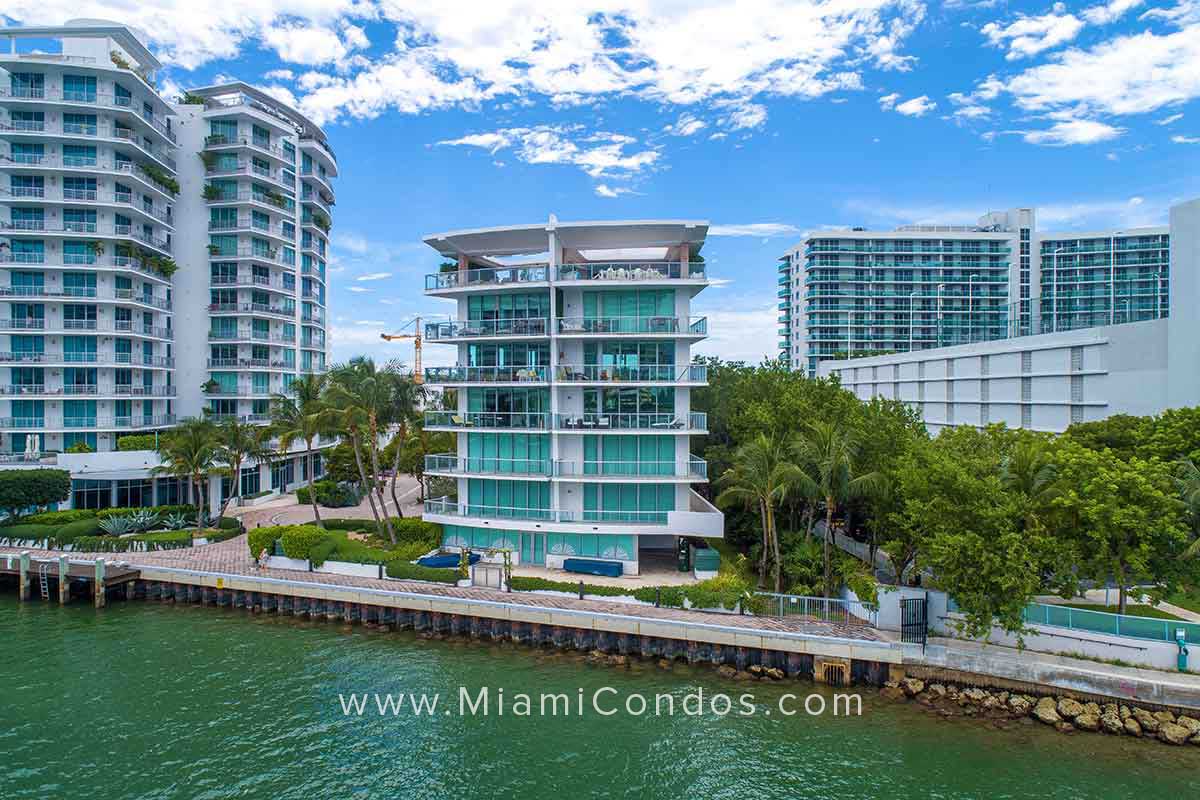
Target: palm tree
{"points": [[302, 416], [761, 477], [406, 396], [1188, 481], [236, 443], [191, 450], [1030, 471], [827, 456], [358, 397]]}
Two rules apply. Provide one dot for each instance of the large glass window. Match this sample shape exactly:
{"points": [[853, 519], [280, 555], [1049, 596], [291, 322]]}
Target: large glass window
{"points": [[91, 494]]}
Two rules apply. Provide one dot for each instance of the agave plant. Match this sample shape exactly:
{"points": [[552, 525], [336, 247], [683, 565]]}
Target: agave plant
{"points": [[117, 526], [143, 519], [175, 522]]}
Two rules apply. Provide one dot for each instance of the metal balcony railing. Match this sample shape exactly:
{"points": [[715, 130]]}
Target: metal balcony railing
{"points": [[521, 420], [646, 373], [644, 326], [632, 271], [485, 277], [653, 422], [486, 374], [694, 468], [452, 464], [453, 508], [488, 327]]}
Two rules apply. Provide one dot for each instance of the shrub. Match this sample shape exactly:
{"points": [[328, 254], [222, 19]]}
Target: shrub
{"points": [[260, 538], [342, 524], [167, 540], [58, 517], [256, 495], [139, 441], [30, 532], [524, 584], [83, 527], [221, 534], [408, 551], [299, 540], [667, 596], [415, 529], [104, 513], [80, 447], [230, 523], [329, 495], [118, 526], [322, 550], [402, 569]]}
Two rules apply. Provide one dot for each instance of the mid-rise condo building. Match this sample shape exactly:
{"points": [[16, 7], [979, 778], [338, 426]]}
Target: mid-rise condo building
{"points": [[571, 392], [858, 292], [160, 257]]}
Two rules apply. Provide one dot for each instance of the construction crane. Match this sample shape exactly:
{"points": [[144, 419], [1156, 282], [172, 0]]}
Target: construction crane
{"points": [[418, 375]]}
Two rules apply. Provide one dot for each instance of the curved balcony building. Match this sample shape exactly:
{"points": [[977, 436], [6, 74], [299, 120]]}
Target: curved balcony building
{"points": [[572, 388], [258, 199], [88, 192]]}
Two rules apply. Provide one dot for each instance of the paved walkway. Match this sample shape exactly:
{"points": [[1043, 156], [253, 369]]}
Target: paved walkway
{"points": [[286, 511], [232, 557]]}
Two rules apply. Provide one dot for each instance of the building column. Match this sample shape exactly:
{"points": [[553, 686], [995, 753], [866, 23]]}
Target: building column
{"points": [[99, 583], [64, 581], [23, 577]]}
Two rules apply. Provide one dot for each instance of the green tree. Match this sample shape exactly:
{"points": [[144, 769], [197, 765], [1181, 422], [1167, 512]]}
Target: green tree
{"points": [[759, 479], [1120, 433], [21, 489], [190, 450], [1124, 518], [359, 399], [237, 442], [1187, 478], [302, 417], [827, 456], [405, 398], [1028, 471]]}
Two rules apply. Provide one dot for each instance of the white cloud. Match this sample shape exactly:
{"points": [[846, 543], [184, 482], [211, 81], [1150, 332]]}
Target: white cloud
{"points": [[352, 242], [372, 322], [604, 190], [280, 75], [1186, 139], [600, 154], [916, 107], [1028, 36], [359, 289], [1109, 12], [762, 229], [374, 276], [748, 335], [888, 101], [967, 107], [1169, 119], [745, 116], [1112, 157], [687, 125], [1078, 131], [461, 54]]}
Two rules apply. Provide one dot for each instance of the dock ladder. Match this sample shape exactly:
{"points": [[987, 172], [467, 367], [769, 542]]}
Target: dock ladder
{"points": [[44, 579]]}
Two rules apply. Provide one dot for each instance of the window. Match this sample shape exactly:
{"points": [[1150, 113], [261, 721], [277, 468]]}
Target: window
{"points": [[91, 494], [135, 493]]}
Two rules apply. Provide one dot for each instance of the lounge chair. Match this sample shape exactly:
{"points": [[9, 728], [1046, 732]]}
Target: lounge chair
{"points": [[672, 423]]}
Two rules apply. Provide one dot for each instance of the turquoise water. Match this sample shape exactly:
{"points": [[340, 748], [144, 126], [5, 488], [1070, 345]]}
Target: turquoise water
{"points": [[148, 701]]}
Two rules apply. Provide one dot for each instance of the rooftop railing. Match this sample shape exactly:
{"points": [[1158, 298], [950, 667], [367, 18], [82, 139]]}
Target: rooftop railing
{"points": [[485, 277], [632, 271]]}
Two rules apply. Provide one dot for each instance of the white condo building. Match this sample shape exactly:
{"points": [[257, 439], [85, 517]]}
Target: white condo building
{"points": [[861, 292], [1115, 332], [571, 391], [158, 258]]}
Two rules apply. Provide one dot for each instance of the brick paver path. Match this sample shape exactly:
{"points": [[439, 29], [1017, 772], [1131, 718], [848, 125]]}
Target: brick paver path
{"points": [[231, 557]]}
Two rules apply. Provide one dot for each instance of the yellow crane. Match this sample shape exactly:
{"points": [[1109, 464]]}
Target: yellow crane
{"points": [[418, 375]]}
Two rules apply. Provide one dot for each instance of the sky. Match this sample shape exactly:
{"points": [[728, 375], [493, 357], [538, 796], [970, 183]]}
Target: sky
{"points": [[766, 118]]}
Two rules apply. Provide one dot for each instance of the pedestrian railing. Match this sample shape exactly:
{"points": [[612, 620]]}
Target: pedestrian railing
{"points": [[1162, 630], [827, 609]]}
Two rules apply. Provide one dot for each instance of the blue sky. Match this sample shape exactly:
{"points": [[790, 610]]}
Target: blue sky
{"points": [[766, 118]]}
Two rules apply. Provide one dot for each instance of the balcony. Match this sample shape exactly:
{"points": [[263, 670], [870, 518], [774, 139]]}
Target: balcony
{"points": [[116, 295], [249, 363], [86, 325], [453, 508], [250, 225], [498, 420], [276, 202], [695, 422], [636, 271], [121, 103], [452, 375], [87, 390], [94, 359], [452, 464], [485, 277], [693, 469], [478, 329], [647, 373], [218, 142], [87, 165], [89, 423], [253, 253], [89, 229], [250, 308], [248, 335], [633, 326]]}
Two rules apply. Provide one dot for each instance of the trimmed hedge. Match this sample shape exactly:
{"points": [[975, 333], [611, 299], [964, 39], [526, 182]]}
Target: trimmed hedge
{"points": [[58, 534], [719, 592], [403, 569], [140, 441], [525, 584], [220, 534], [230, 523], [259, 538], [56, 517], [299, 540], [162, 511], [163, 540]]}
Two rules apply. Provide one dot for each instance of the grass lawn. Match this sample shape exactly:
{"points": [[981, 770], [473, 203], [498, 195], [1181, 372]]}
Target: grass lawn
{"points": [[1130, 609], [1189, 599]]}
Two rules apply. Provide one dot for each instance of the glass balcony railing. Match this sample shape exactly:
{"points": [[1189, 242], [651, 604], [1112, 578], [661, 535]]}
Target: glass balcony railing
{"points": [[644, 373], [632, 271], [436, 331], [453, 508], [452, 464], [518, 420], [486, 374], [694, 468], [645, 326], [656, 422], [486, 276]]}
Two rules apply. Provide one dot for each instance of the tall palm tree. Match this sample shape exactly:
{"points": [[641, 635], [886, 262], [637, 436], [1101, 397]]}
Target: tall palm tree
{"points": [[302, 416], [190, 449], [358, 397], [1029, 471], [760, 477], [406, 396], [827, 455], [236, 443], [1188, 481]]}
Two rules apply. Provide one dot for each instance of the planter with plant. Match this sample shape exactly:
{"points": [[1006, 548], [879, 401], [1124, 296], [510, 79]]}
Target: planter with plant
{"points": [[211, 192], [119, 60]]}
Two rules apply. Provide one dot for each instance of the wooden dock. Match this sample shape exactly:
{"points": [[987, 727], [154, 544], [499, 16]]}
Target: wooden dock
{"points": [[55, 576]]}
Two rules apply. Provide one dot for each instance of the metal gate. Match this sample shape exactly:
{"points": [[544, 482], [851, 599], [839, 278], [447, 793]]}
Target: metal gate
{"points": [[914, 620]]}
